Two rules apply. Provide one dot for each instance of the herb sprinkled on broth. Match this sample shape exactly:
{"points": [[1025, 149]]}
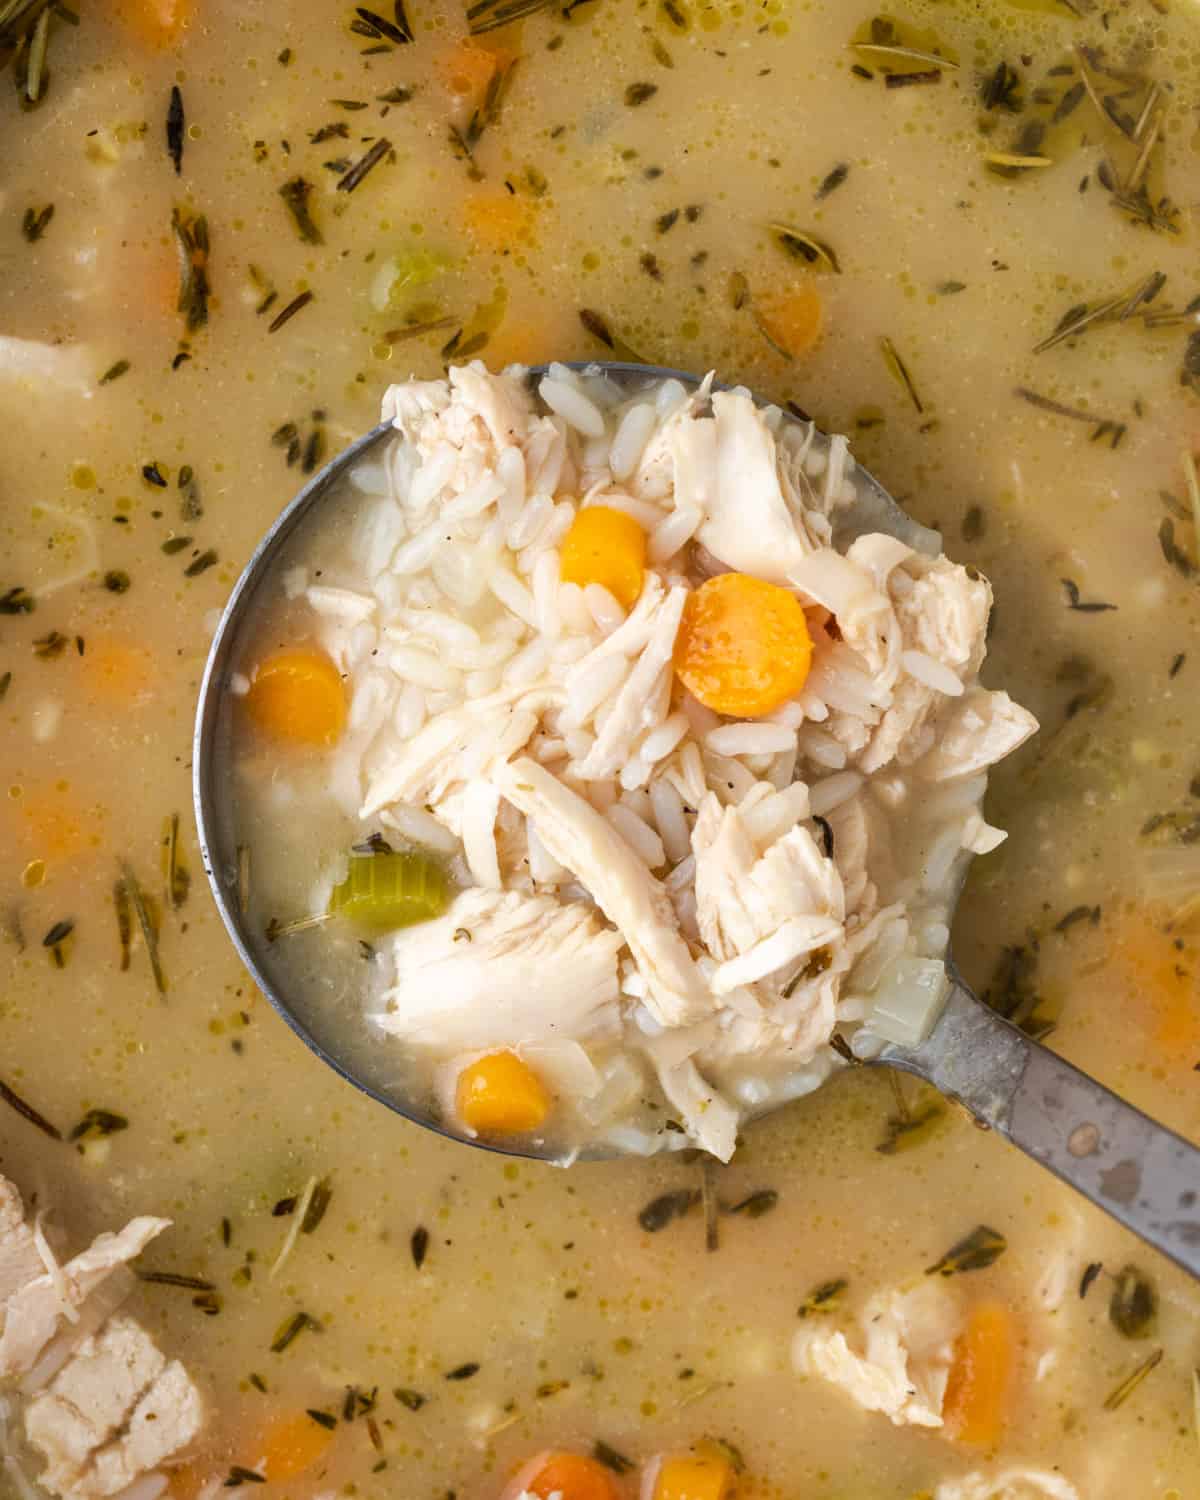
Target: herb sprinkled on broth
{"points": [[983, 213]]}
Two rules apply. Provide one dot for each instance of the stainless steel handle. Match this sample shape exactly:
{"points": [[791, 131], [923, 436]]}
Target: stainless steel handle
{"points": [[1134, 1169]]}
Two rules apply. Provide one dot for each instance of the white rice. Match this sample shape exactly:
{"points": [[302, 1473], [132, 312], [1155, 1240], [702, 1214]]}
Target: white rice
{"points": [[932, 673], [825, 795], [513, 594], [756, 738], [573, 406], [640, 837], [632, 435], [604, 609], [670, 821]]}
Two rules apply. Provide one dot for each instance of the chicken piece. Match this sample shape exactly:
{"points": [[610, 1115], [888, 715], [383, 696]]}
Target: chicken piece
{"points": [[760, 913], [1008, 1484], [853, 833], [500, 402], [853, 591], [503, 969], [983, 728], [942, 613], [907, 1344], [658, 472], [454, 747], [33, 1315], [166, 1419], [112, 1413], [20, 1259], [641, 700], [709, 1118], [748, 524], [580, 839]]}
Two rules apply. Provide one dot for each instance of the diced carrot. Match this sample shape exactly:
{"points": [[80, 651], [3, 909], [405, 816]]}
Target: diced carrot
{"points": [[570, 1475], [743, 646], [467, 67], [289, 1447], [117, 673], [977, 1393], [497, 219], [49, 825], [501, 1095], [607, 547], [1162, 969], [156, 23], [791, 320], [298, 695], [698, 1476]]}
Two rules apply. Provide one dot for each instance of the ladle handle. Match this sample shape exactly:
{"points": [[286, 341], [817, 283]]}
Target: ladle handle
{"points": [[1133, 1168]]}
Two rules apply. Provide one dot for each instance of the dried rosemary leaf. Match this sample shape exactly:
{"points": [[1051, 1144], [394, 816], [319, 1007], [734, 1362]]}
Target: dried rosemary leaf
{"points": [[318, 1202], [295, 194], [757, 1204], [639, 93], [976, 1252], [898, 370], [27, 1112], [413, 1400], [173, 1278], [832, 180], [419, 1245], [175, 128], [98, 1123], [192, 246], [1121, 1393], [801, 246], [291, 1328]]}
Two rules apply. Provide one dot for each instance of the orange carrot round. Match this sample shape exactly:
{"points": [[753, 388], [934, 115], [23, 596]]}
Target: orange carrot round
{"points": [[743, 647], [977, 1392]]}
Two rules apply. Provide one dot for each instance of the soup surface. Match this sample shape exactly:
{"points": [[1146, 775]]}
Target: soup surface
{"points": [[968, 281]]}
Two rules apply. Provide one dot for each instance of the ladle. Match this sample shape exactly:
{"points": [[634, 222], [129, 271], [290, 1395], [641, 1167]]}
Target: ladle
{"points": [[1136, 1170]]}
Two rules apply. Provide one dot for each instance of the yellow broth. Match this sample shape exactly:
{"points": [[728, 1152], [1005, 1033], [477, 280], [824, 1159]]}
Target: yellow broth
{"points": [[643, 216]]}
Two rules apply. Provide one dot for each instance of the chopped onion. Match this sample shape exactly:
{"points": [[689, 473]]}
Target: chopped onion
{"points": [[1172, 873], [908, 1000]]}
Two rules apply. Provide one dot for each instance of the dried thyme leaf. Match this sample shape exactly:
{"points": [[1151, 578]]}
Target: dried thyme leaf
{"points": [[114, 372], [661, 1211], [490, 15], [597, 326], [35, 222], [321, 1418], [173, 1278], [201, 564], [801, 246], [295, 194], [710, 1204], [419, 1245], [98, 1123], [413, 1400], [610, 1458], [976, 1252], [27, 1112], [238, 1476], [463, 1372], [639, 93], [291, 1329], [899, 372], [1133, 1306], [823, 1298], [757, 1204], [318, 1202], [903, 1132], [832, 180], [1083, 606], [1118, 1396], [1089, 1275], [17, 601]]}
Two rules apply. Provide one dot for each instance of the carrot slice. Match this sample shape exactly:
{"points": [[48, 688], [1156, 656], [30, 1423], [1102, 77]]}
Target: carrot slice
{"points": [[607, 547], [791, 320], [701, 1476], [291, 1446], [298, 695], [1162, 969], [743, 646], [156, 23], [977, 1392], [570, 1475], [501, 1095]]}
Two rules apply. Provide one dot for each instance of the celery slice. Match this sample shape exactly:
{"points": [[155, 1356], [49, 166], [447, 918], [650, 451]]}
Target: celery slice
{"points": [[384, 891]]}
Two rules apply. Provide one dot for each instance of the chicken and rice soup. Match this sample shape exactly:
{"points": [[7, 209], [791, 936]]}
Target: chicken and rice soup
{"points": [[961, 233], [655, 761]]}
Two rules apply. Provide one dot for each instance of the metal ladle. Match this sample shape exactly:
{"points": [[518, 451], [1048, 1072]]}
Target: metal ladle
{"points": [[1136, 1170]]}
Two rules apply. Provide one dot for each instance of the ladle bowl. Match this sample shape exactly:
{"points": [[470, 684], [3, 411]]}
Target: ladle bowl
{"points": [[1136, 1170]]}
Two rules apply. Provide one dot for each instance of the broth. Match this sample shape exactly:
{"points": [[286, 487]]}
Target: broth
{"points": [[583, 1324]]}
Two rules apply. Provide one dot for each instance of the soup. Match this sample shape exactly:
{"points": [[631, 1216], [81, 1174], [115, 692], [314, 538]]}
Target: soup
{"points": [[613, 192], [682, 747]]}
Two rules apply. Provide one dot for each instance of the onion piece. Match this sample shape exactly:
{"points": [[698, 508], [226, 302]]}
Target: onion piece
{"points": [[908, 1000]]}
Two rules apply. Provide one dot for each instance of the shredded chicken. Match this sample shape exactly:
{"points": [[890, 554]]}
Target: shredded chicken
{"points": [[1008, 1484], [983, 728], [499, 970], [105, 1407], [625, 891], [905, 1346], [33, 1315]]}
